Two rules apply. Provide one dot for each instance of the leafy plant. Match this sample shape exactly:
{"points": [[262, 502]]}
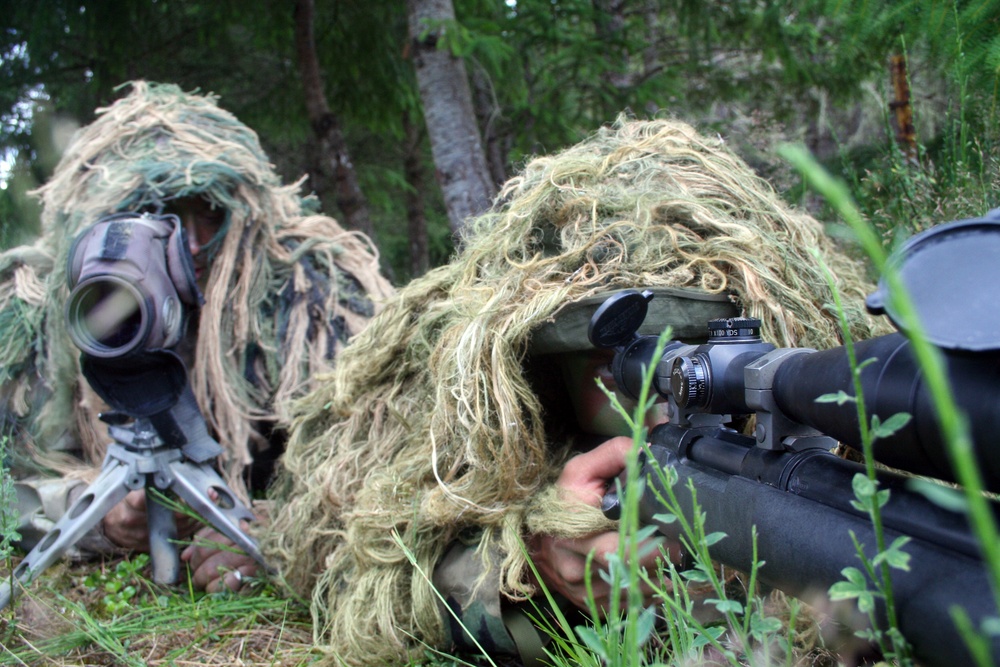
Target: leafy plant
{"points": [[742, 630], [120, 584], [8, 512], [953, 423], [868, 498]]}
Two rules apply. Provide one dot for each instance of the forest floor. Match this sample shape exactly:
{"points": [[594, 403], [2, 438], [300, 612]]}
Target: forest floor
{"points": [[109, 613]]}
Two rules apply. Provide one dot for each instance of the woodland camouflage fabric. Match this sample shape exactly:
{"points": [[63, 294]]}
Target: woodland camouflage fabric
{"points": [[434, 426], [287, 287]]}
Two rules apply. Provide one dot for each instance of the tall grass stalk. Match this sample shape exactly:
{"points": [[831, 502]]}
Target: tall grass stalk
{"points": [[410, 556], [629, 527], [954, 424], [747, 625], [869, 498]]}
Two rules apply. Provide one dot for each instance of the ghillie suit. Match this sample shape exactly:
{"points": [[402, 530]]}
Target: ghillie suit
{"points": [[286, 289], [431, 429]]}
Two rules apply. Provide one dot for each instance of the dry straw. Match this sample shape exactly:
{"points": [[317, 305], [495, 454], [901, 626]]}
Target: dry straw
{"points": [[287, 287], [430, 427]]}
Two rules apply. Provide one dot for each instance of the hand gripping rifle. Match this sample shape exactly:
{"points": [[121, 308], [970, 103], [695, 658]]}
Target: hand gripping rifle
{"points": [[785, 481], [132, 286]]}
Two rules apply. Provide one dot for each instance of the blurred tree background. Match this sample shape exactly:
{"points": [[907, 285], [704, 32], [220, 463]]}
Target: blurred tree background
{"points": [[373, 102]]}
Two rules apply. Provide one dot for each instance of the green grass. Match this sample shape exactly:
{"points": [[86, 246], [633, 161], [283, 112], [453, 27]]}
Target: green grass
{"points": [[76, 614]]}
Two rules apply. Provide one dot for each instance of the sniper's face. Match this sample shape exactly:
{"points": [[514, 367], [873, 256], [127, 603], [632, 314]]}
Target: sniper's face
{"points": [[594, 410], [203, 224]]}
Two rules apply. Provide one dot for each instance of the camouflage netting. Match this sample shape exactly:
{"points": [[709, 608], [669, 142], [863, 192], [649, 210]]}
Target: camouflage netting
{"points": [[430, 428], [287, 287]]}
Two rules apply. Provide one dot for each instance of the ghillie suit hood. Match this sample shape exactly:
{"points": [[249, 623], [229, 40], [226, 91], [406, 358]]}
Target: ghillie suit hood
{"points": [[286, 289], [430, 427]]}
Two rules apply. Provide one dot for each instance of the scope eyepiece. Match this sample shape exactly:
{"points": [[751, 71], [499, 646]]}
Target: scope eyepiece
{"points": [[130, 277]]}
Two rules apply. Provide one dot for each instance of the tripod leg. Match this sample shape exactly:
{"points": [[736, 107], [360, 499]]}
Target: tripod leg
{"points": [[88, 510], [163, 554], [192, 482]]}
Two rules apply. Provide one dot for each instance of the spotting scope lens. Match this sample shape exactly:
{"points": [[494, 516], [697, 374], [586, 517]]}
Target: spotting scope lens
{"points": [[130, 277], [107, 317]]}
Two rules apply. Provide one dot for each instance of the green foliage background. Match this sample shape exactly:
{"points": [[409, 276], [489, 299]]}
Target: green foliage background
{"points": [[545, 73]]}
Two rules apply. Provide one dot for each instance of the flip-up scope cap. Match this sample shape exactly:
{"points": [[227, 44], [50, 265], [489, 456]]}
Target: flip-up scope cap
{"points": [[685, 310], [950, 273]]}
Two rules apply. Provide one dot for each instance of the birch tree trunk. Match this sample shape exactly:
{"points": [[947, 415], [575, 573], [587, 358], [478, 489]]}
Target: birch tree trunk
{"points": [[451, 121]]}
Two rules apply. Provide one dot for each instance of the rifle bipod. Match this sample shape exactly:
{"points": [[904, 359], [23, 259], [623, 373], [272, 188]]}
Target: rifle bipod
{"points": [[139, 458]]}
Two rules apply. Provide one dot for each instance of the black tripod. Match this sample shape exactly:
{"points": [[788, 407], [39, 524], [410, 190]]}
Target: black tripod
{"points": [[170, 450]]}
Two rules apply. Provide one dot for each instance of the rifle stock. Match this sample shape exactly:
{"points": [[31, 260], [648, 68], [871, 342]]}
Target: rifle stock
{"points": [[799, 503]]}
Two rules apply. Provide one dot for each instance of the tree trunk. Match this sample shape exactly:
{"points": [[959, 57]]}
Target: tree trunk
{"points": [[906, 134], [451, 122], [416, 217], [495, 138], [609, 25], [334, 153]]}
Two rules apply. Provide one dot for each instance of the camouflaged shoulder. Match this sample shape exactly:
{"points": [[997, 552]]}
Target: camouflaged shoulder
{"points": [[41, 502], [471, 611], [476, 620]]}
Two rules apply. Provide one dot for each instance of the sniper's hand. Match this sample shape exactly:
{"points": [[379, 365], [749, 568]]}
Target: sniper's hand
{"points": [[562, 562], [215, 563], [126, 523]]}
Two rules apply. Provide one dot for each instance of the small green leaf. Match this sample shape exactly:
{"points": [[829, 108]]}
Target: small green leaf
{"points": [[866, 362], [942, 496], [696, 575], [705, 638], [647, 533], [866, 602], [713, 538], [839, 398], [645, 624], [864, 488], [991, 626], [869, 634], [592, 641], [855, 586], [763, 626], [887, 428], [894, 555], [843, 590], [726, 606], [665, 518]]}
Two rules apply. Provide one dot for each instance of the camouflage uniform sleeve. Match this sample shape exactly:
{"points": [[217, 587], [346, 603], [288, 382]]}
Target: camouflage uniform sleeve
{"points": [[41, 502], [472, 606]]}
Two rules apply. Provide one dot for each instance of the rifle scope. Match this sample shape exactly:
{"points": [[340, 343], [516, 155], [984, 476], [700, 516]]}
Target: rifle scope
{"points": [[947, 272]]}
